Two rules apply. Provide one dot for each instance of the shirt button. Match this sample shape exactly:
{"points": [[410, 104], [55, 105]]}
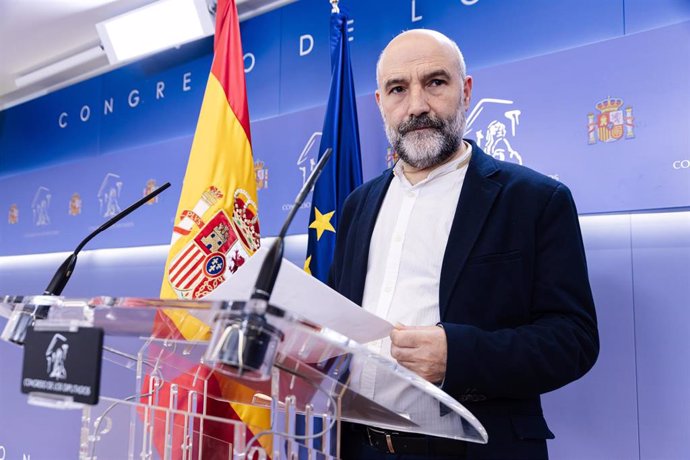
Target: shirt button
{"points": [[388, 289], [397, 238]]}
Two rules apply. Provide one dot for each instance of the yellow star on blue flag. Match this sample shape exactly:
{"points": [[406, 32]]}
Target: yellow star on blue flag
{"points": [[322, 223]]}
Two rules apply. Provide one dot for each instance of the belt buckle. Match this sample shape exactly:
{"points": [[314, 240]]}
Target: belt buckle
{"points": [[389, 440], [389, 443]]}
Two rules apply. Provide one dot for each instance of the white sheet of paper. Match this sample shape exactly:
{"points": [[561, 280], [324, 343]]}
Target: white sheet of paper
{"points": [[302, 294]]}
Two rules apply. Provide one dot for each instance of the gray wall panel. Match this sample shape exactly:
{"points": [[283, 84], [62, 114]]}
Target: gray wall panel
{"points": [[661, 264], [582, 413]]}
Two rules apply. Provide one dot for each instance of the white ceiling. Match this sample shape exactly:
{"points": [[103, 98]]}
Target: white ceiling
{"points": [[36, 33]]}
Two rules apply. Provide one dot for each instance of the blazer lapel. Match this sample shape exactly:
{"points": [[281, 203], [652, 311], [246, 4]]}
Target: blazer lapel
{"points": [[477, 195], [365, 226]]}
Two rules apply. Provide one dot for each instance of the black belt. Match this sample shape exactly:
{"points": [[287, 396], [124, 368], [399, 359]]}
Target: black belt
{"points": [[392, 442]]}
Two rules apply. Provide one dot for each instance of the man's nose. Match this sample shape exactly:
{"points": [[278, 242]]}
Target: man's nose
{"points": [[418, 102]]}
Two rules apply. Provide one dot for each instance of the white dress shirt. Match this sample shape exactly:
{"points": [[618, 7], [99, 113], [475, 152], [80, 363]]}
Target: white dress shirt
{"points": [[406, 254]]}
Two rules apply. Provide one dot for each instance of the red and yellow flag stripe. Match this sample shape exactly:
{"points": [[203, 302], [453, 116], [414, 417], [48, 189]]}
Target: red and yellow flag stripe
{"points": [[220, 167]]}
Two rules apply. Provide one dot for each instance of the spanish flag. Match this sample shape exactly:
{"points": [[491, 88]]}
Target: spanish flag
{"points": [[216, 226]]}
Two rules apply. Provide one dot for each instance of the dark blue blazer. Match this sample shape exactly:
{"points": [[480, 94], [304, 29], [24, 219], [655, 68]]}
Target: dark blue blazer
{"points": [[514, 296]]}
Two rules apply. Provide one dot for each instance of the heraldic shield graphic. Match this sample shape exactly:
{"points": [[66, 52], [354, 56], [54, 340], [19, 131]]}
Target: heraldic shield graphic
{"points": [[612, 123], [222, 245]]}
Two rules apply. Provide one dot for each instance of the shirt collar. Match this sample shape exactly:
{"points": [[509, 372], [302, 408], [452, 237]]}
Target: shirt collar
{"points": [[446, 168]]}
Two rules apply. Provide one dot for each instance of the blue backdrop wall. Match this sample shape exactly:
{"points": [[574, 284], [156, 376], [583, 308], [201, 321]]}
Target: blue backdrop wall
{"points": [[545, 73]]}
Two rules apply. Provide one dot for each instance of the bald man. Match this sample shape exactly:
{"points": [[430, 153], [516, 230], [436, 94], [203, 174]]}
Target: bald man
{"points": [[479, 263]]}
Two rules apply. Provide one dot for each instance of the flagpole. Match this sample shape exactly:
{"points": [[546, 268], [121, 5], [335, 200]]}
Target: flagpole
{"points": [[334, 5]]}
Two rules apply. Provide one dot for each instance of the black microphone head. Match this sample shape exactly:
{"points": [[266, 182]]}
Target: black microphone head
{"points": [[269, 271], [61, 276]]}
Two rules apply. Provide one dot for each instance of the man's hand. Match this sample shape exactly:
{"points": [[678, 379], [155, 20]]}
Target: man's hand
{"points": [[422, 349]]}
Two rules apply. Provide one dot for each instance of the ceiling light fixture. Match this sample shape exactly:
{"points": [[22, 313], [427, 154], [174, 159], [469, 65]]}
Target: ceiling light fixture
{"points": [[155, 27]]}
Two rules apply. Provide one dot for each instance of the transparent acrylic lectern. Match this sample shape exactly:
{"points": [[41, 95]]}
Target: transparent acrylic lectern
{"points": [[164, 396]]}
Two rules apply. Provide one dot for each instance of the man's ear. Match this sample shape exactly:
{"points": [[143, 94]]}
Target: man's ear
{"points": [[467, 92], [377, 95]]}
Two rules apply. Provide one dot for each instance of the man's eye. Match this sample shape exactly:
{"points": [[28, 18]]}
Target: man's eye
{"points": [[396, 90], [437, 82]]}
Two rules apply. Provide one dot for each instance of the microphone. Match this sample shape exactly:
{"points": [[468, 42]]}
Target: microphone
{"points": [[63, 274], [245, 344], [20, 320], [271, 265]]}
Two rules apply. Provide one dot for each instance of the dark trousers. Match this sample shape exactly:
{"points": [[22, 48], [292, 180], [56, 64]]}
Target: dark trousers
{"points": [[354, 445]]}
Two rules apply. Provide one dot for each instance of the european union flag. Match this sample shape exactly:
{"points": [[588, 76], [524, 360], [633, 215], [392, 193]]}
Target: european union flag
{"points": [[343, 172]]}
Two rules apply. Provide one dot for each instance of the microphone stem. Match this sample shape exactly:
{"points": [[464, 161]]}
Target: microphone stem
{"points": [[308, 185], [122, 215], [271, 264], [64, 272]]}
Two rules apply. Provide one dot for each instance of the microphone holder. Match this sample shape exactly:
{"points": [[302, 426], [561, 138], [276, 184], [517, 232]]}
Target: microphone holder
{"points": [[32, 308], [243, 343]]}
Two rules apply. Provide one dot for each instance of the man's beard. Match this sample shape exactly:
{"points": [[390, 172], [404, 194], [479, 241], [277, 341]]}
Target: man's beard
{"points": [[429, 147]]}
